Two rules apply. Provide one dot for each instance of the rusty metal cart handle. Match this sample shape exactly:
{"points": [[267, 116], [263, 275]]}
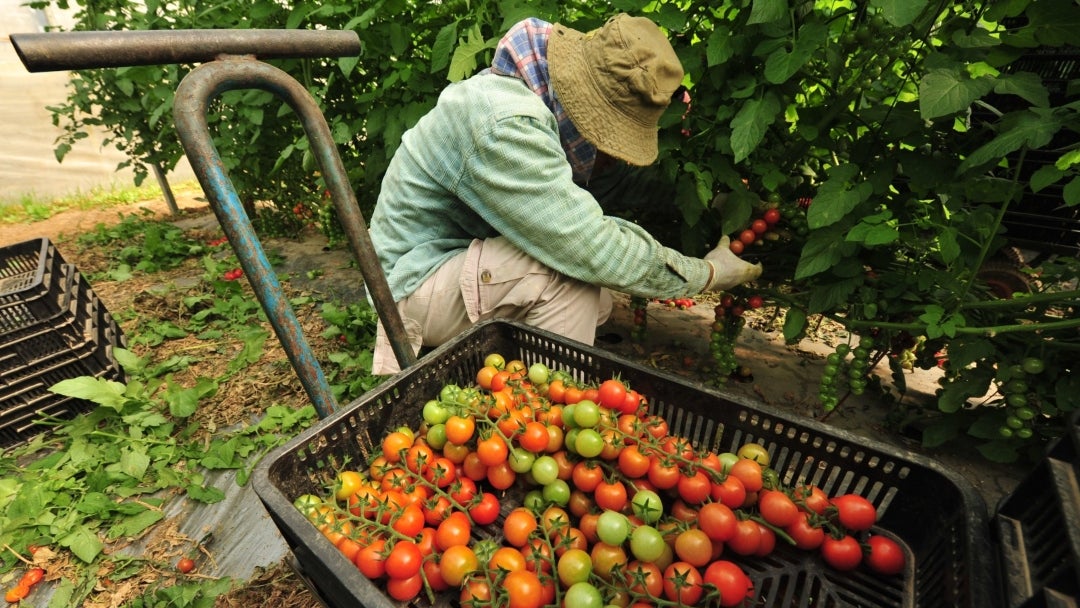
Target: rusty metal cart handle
{"points": [[59, 51], [201, 86]]}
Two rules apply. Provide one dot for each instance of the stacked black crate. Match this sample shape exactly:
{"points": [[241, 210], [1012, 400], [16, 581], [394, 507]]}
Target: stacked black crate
{"points": [[52, 328]]}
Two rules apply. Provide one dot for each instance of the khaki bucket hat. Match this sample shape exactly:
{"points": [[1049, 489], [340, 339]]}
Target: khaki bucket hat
{"points": [[614, 83]]}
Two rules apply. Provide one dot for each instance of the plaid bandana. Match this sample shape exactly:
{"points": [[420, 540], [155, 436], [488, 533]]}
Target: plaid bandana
{"points": [[522, 53]]}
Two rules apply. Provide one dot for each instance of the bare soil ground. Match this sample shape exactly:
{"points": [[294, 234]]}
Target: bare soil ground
{"points": [[783, 376]]}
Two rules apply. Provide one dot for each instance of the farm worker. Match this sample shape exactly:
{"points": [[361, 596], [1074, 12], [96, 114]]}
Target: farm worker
{"points": [[485, 210]]}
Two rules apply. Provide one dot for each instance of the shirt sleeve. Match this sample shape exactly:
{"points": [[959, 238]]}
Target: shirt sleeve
{"points": [[517, 179]]}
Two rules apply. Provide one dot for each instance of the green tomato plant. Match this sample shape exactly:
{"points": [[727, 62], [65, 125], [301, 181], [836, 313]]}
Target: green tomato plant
{"points": [[888, 139], [893, 137]]}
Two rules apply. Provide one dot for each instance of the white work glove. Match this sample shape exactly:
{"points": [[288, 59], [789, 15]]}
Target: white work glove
{"points": [[728, 269]]}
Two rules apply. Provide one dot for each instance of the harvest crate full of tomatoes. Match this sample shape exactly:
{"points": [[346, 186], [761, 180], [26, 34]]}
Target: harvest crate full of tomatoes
{"points": [[512, 468]]}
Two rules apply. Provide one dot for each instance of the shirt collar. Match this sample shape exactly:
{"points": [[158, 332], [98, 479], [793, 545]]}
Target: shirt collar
{"points": [[522, 53]]}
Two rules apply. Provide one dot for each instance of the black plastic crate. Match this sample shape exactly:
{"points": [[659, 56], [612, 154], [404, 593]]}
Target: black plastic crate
{"points": [[32, 284], [52, 327], [1038, 528], [939, 519]]}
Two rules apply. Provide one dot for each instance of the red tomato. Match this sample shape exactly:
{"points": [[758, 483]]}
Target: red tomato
{"points": [[811, 498], [747, 537], [612, 394], [731, 492], [682, 583], [633, 463], [854, 512], [587, 475], [842, 553], [885, 555], [736, 247], [404, 560], [806, 535], [694, 489], [486, 511], [454, 530], [371, 560], [771, 216], [644, 578], [405, 589], [777, 508], [732, 582], [749, 473], [611, 495], [747, 237], [186, 564], [523, 589], [694, 547], [717, 520], [759, 226]]}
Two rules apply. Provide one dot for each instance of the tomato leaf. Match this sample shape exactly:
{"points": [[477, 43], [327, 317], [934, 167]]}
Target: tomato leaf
{"points": [[782, 65], [794, 325], [750, 124], [1032, 128], [767, 11], [900, 12], [718, 48], [106, 393], [945, 91], [83, 543]]}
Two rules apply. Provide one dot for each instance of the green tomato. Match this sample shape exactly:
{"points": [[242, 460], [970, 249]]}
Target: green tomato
{"points": [[583, 595], [1033, 365], [568, 416], [726, 460], [613, 527], [588, 443], [449, 393], [539, 373], [545, 470], [435, 412], [575, 566], [521, 460], [647, 506], [534, 501], [557, 492], [307, 503], [436, 436], [586, 414], [646, 543]]}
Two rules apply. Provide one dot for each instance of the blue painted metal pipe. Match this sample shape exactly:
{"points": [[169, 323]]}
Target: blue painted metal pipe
{"points": [[193, 97]]}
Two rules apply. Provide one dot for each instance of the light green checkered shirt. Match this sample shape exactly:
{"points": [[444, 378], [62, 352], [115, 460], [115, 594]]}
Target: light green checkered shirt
{"points": [[487, 161]]}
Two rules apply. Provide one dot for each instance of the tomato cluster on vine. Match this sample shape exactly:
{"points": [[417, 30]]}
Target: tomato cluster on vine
{"points": [[726, 327], [613, 508]]}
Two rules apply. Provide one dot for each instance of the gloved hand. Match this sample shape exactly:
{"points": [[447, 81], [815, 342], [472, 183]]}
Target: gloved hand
{"points": [[728, 269]]}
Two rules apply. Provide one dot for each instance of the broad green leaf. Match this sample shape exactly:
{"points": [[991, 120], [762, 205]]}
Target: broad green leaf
{"points": [[794, 324], [348, 64], [750, 124], [767, 11], [207, 494], [940, 431], [946, 91], [399, 39], [1044, 176], [823, 249], [1067, 160], [1054, 22], [948, 245], [1031, 128], [134, 463], [443, 47], [1027, 85], [183, 402], [106, 393], [975, 39], [782, 65], [999, 451], [832, 296], [718, 48], [132, 363], [135, 524], [900, 12], [1071, 192], [83, 543], [873, 234]]}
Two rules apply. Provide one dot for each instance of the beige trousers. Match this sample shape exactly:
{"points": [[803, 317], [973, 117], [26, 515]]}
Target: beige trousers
{"points": [[494, 280]]}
